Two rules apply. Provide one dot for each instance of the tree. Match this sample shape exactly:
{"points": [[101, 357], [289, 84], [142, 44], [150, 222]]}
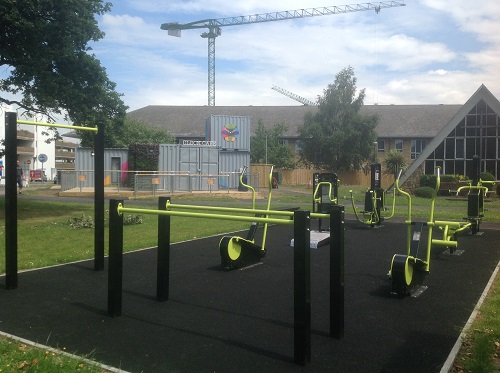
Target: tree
{"points": [[266, 145], [338, 137], [136, 131], [393, 162], [45, 57]]}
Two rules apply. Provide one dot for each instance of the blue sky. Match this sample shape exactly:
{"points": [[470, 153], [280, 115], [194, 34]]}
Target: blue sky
{"points": [[428, 52]]}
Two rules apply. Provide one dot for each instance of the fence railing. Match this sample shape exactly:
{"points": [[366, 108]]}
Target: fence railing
{"points": [[156, 182]]}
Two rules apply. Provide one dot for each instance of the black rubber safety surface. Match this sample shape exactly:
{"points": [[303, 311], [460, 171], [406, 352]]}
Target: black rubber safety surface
{"points": [[242, 320]]}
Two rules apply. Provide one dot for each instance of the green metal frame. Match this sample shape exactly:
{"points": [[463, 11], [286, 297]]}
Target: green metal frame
{"points": [[449, 238]]}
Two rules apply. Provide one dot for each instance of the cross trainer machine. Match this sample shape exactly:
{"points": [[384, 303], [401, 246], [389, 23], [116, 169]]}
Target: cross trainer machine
{"points": [[326, 191], [374, 207], [238, 252], [475, 197], [403, 265]]}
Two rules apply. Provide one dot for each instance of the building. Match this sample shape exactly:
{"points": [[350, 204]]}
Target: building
{"points": [[33, 148], [428, 135]]}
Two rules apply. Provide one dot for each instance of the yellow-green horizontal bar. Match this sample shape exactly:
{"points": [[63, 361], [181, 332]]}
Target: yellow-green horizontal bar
{"points": [[451, 224], [80, 128], [242, 210], [230, 209], [121, 210], [445, 243]]}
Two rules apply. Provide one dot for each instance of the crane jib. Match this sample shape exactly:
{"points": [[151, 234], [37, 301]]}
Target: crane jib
{"points": [[214, 25]]}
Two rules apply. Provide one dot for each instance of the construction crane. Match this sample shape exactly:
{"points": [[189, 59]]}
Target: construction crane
{"points": [[214, 27], [294, 96]]}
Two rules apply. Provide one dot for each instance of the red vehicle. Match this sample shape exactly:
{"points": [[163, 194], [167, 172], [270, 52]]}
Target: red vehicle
{"points": [[37, 175]]}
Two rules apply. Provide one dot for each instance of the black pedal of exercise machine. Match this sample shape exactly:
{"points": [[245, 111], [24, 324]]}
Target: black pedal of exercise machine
{"points": [[237, 252]]}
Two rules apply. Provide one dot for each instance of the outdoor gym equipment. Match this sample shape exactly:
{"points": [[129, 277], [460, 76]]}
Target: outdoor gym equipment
{"points": [[374, 200], [238, 252], [475, 196], [326, 191], [300, 220], [11, 237], [403, 265]]}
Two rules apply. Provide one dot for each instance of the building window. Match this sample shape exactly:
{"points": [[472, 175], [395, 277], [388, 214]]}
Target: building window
{"points": [[459, 148], [416, 148], [398, 145], [380, 146]]}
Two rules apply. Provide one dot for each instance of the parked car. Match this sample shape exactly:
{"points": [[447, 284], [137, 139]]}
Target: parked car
{"points": [[37, 175]]}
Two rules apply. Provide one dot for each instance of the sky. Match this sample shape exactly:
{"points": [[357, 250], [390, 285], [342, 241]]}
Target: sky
{"points": [[426, 52]]}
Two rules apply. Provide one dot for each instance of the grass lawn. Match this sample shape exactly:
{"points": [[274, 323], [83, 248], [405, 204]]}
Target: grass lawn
{"points": [[53, 232]]}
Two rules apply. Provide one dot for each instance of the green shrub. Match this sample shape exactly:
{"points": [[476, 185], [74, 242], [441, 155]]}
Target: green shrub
{"points": [[486, 176], [428, 181], [424, 192], [451, 178], [85, 221]]}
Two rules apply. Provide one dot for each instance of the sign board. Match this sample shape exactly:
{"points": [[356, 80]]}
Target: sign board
{"points": [[155, 181], [42, 158], [82, 177]]}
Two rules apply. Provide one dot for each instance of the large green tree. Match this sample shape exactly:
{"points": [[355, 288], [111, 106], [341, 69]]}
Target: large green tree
{"points": [[337, 137], [266, 144], [47, 66]]}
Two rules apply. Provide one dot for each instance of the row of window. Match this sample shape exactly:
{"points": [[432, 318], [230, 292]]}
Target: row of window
{"points": [[416, 147]]}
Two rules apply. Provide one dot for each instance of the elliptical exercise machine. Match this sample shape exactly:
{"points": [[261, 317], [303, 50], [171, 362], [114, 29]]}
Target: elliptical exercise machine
{"points": [[237, 252], [475, 197], [374, 208], [404, 265]]}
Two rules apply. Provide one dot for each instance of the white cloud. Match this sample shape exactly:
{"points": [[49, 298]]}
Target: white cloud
{"points": [[411, 54]]}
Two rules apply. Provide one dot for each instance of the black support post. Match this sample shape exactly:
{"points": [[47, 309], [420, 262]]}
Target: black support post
{"points": [[337, 271], [163, 263], [10, 200], [99, 199], [115, 271], [302, 287]]}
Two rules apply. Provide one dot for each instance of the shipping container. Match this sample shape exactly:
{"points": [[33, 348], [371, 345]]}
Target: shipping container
{"points": [[228, 132]]}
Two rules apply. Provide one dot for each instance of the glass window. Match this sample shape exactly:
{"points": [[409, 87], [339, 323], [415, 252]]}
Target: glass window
{"points": [[381, 146], [460, 148], [416, 148], [398, 145]]}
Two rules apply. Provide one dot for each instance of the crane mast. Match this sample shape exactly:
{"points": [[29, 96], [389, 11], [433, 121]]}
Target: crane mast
{"points": [[214, 27]]}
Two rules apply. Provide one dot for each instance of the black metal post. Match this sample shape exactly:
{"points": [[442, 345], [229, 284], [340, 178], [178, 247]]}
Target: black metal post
{"points": [[10, 200], [99, 198], [337, 271], [163, 264], [302, 287], [115, 264]]}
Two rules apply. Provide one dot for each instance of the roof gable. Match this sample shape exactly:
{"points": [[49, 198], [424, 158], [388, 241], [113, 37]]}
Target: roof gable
{"points": [[482, 93]]}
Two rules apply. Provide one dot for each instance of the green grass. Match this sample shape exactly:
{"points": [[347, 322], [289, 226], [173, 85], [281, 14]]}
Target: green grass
{"points": [[16, 356], [45, 238]]}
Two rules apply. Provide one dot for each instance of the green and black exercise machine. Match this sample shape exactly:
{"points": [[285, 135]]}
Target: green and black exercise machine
{"points": [[326, 190], [238, 252], [374, 210], [477, 190], [404, 265]]}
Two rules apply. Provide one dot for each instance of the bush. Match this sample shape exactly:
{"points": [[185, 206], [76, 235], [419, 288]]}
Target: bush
{"points": [[486, 176], [424, 192], [452, 178], [428, 181], [85, 221]]}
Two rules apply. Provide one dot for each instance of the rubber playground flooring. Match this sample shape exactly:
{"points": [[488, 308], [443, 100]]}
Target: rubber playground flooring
{"points": [[242, 320]]}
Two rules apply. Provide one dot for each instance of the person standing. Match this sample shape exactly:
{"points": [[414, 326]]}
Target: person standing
{"points": [[20, 177]]}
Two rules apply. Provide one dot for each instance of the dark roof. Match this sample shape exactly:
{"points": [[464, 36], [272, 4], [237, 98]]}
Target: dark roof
{"points": [[401, 121]]}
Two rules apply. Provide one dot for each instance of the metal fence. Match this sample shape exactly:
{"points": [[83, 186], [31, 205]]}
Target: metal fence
{"points": [[159, 182]]}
